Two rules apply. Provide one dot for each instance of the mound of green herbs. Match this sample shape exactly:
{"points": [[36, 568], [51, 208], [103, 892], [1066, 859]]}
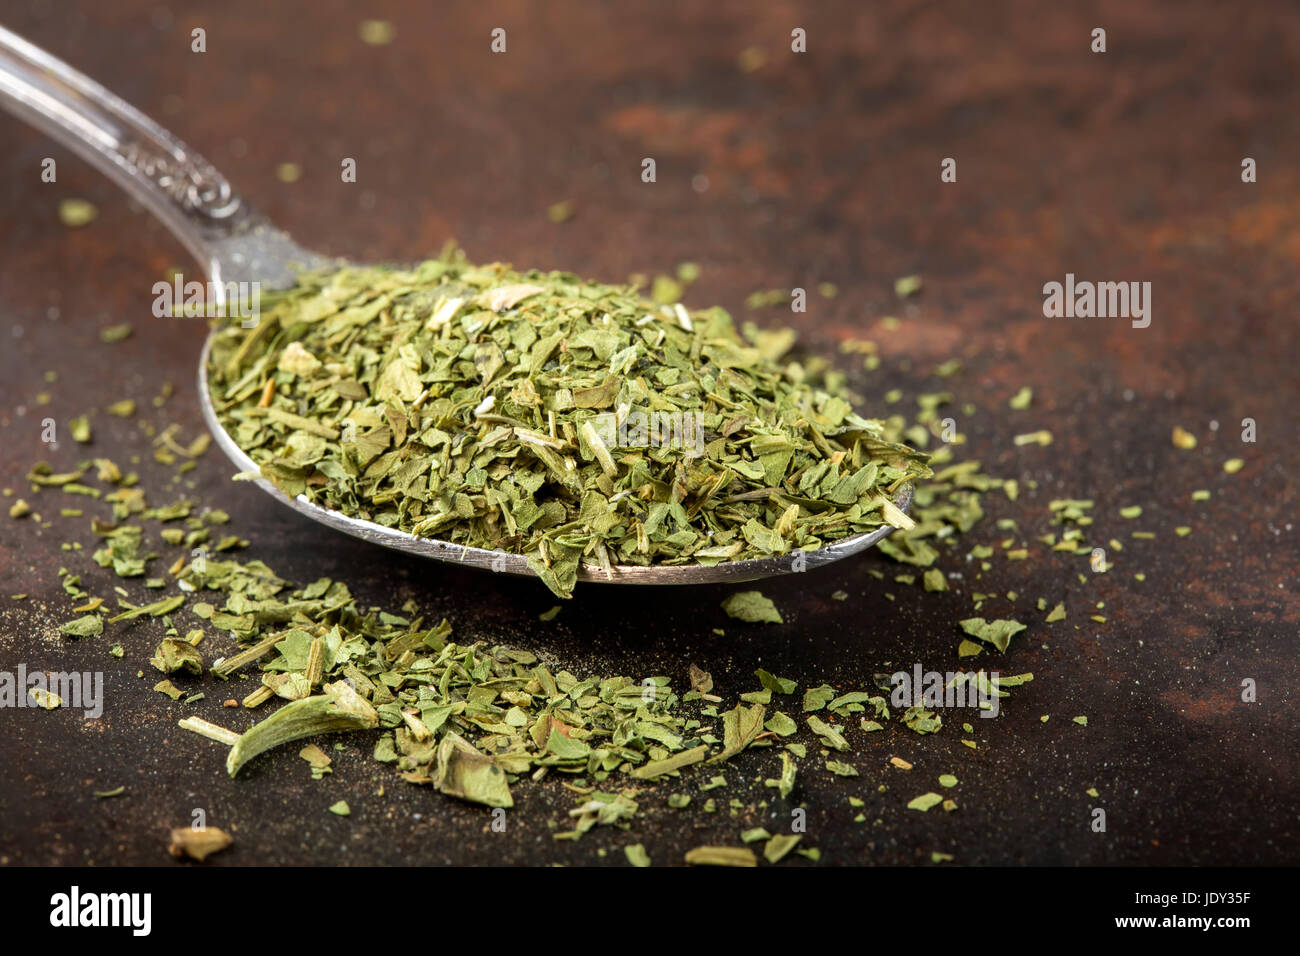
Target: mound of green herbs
{"points": [[534, 413]]}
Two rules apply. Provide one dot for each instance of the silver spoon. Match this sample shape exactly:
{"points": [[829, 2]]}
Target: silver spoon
{"points": [[235, 244]]}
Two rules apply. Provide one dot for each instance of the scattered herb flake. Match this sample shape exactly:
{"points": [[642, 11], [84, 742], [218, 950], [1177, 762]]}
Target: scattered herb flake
{"points": [[753, 607]]}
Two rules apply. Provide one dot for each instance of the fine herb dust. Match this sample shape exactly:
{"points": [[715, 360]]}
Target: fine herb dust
{"points": [[537, 414]]}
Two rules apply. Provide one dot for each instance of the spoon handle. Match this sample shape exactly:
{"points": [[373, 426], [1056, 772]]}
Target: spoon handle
{"points": [[175, 183]]}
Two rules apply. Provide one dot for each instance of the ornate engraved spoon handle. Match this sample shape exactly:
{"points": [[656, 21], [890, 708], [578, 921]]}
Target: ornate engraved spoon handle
{"points": [[175, 183]]}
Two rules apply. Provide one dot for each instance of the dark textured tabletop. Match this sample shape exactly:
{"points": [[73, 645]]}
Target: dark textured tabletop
{"points": [[777, 170]]}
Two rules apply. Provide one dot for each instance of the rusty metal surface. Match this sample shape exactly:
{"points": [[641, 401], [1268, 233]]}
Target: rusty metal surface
{"points": [[821, 167]]}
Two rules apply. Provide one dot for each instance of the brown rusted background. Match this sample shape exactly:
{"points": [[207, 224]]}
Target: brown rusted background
{"points": [[822, 167]]}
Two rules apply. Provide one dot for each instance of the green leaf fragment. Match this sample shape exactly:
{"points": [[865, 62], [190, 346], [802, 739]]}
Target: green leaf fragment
{"points": [[636, 854], [567, 748], [906, 286], [339, 708], [785, 783], [995, 632], [752, 607], [830, 737], [779, 846], [75, 213], [45, 698], [781, 724], [170, 689], [90, 625], [658, 768], [817, 697], [777, 685], [721, 856], [740, 726], [924, 802], [461, 771], [174, 655], [157, 609]]}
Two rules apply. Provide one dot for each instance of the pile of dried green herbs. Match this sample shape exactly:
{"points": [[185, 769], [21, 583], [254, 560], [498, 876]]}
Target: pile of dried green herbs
{"points": [[566, 421], [475, 720]]}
